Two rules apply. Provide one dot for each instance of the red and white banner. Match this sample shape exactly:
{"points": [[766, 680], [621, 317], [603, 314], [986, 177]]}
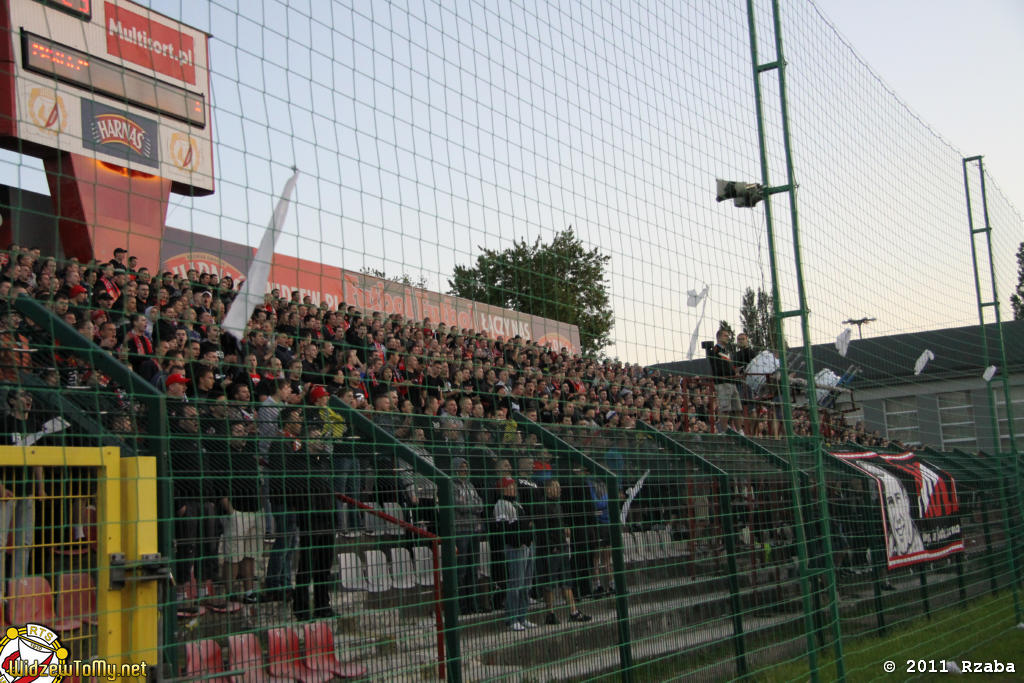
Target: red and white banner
{"points": [[181, 251], [918, 506]]}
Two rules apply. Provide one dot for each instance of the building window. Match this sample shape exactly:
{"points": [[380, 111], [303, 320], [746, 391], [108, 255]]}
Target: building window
{"points": [[956, 418], [1017, 396], [901, 420]]}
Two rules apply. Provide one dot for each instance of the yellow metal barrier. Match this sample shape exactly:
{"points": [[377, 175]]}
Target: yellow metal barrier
{"points": [[125, 529]]}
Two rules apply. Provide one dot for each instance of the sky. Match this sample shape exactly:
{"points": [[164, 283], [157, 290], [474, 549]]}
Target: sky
{"points": [[957, 64], [427, 129]]}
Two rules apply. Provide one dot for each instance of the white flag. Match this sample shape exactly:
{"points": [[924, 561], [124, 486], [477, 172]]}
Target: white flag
{"points": [[703, 298], [693, 297], [989, 373], [631, 495], [922, 361], [843, 341], [255, 286]]}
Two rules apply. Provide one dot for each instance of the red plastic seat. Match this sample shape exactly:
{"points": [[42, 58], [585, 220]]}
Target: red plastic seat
{"points": [[218, 604], [76, 598], [286, 661], [30, 601], [203, 661], [320, 655], [246, 655]]}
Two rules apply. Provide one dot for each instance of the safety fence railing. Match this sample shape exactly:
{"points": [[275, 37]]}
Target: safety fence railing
{"points": [[307, 534], [301, 535]]}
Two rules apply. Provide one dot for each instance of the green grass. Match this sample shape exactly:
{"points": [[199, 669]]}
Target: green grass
{"points": [[981, 631]]}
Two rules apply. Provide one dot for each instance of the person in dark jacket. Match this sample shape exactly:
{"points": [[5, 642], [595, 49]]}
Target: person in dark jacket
{"points": [[552, 538], [300, 481], [186, 458], [244, 525], [580, 519]]}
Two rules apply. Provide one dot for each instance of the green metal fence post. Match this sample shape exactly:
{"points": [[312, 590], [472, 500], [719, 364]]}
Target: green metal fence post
{"points": [[876, 584], [779, 66], [922, 575], [993, 303]]}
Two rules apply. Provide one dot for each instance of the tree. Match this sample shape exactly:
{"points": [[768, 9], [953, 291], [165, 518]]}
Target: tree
{"points": [[403, 279], [561, 280], [1017, 298], [757, 319], [724, 325]]}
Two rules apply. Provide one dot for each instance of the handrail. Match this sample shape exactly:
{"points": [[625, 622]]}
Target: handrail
{"points": [[447, 565], [419, 531], [434, 540]]}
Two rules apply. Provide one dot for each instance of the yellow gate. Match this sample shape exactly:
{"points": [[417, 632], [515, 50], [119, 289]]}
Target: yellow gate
{"points": [[88, 564]]}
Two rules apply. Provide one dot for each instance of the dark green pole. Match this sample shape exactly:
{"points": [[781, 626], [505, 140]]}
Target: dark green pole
{"points": [[1013, 469], [779, 315]]}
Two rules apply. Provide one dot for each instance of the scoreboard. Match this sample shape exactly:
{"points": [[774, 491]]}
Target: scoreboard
{"points": [[110, 80]]}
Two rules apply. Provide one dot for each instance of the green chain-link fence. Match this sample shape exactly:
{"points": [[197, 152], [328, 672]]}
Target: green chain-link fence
{"points": [[500, 391]]}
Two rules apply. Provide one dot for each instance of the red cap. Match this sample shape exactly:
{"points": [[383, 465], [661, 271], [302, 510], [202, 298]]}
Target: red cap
{"points": [[176, 378], [317, 392], [78, 289], [97, 315]]}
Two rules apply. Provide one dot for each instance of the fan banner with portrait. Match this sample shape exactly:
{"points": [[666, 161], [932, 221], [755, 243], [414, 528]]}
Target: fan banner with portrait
{"points": [[918, 505]]}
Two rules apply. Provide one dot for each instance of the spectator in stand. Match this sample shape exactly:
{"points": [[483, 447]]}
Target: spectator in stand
{"points": [[20, 487], [186, 458], [553, 537], [516, 534], [177, 386], [531, 496], [603, 552], [468, 529], [741, 359], [299, 483], [724, 371]]}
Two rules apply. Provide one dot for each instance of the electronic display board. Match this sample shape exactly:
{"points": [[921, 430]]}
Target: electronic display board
{"points": [[113, 80]]}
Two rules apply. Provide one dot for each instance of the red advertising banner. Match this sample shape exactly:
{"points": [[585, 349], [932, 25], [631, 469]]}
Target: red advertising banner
{"points": [[147, 42], [918, 504], [182, 251]]}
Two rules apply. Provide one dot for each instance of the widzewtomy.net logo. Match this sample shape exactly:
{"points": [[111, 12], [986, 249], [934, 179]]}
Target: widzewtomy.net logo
{"points": [[33, 654]]}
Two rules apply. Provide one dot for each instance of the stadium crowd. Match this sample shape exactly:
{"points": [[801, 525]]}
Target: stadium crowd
{"points": [[258, 454]]}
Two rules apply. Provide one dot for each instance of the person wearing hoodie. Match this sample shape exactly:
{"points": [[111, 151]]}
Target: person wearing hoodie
{"points": [[552, 537], [468, 527]]}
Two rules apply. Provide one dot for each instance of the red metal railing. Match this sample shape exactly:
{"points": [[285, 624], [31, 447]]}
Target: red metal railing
{"points": [[434, 551]]}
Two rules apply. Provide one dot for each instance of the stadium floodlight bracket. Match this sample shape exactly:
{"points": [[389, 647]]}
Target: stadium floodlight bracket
{"points": [[743, 194]]}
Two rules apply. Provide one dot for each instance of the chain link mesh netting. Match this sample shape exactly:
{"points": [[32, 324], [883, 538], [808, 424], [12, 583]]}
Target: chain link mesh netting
{"points": [[444, 361]]}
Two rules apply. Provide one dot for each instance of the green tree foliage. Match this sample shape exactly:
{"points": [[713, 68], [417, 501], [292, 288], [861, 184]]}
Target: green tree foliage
{"points": [[561, 280], [1017, 298], [725, 325], [756, 318], [403, 279]]}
